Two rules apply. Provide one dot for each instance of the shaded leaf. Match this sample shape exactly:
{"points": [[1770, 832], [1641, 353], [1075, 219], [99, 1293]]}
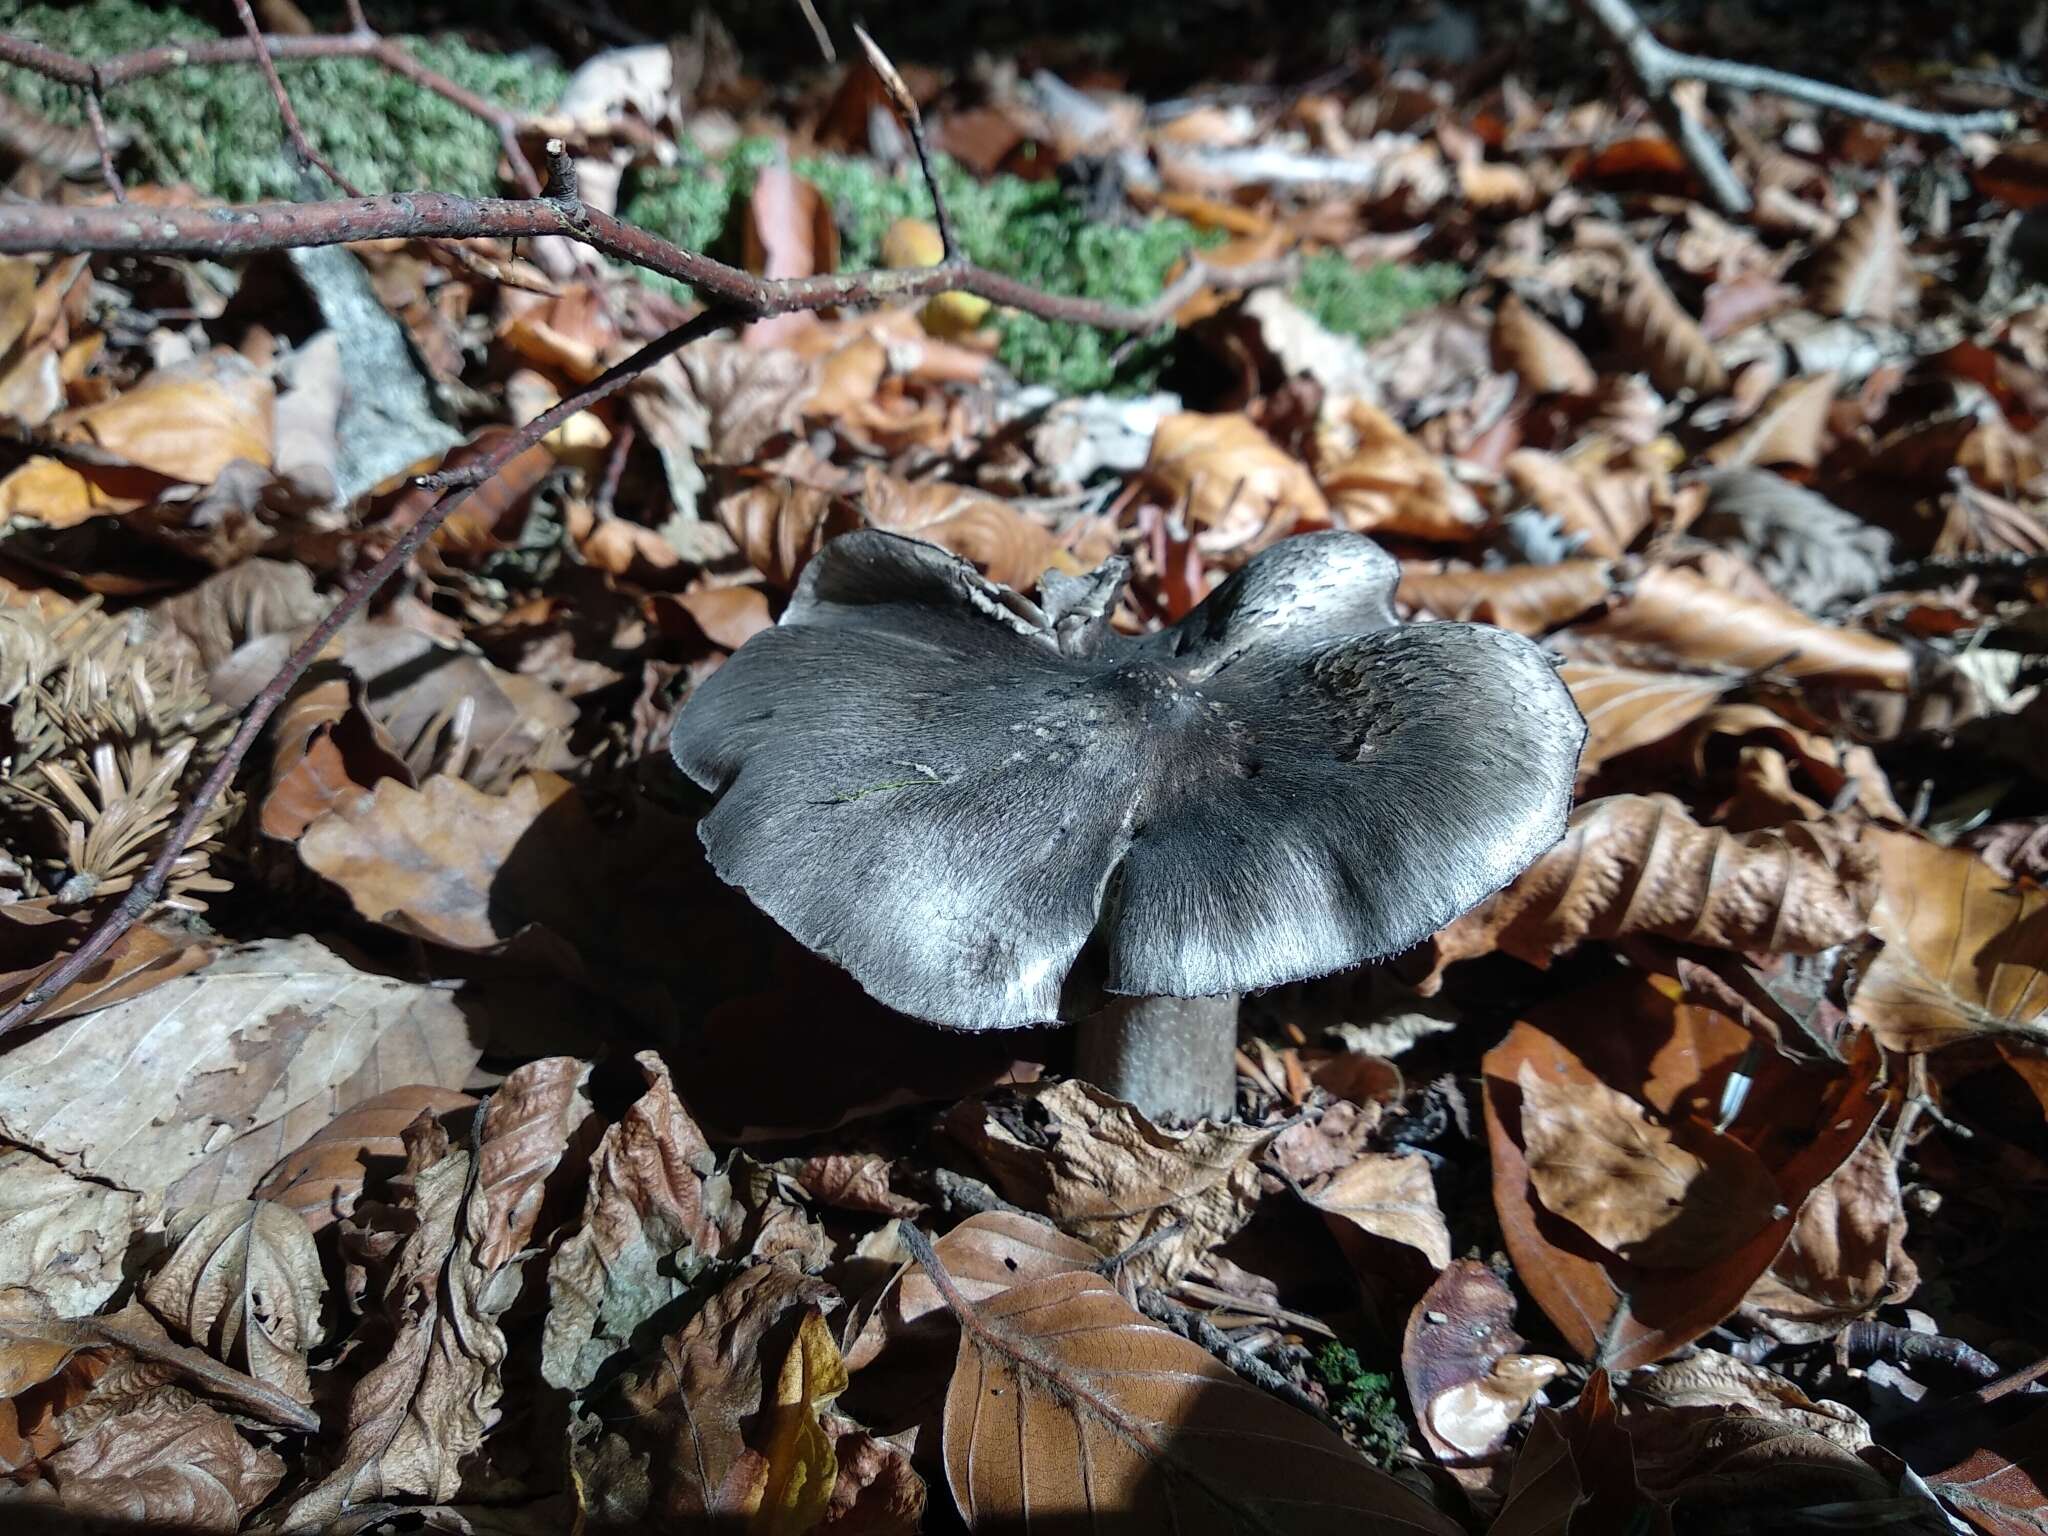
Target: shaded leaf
{"points": [[1546, 360], [1004, 544], [1627, 708], [1380, 480], [244, 1283], [1660, 337], [1846, 1256], [1862, 273], [1467, 1377], [61, 1236], [1791, 428], [1389, 1196], [324, 1177], [1232, 479]]}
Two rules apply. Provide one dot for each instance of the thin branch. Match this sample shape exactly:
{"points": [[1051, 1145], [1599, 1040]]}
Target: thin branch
{"points": [[361, 43], [817, 25], [285, 110], [906, 104], [257, 227], [1656, 67], [96, 119]]}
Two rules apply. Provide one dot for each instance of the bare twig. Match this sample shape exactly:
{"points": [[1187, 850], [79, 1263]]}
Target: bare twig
{"points": [[359, 43], [1197, 1329], [285, 110], [906, 104], [96, 119], [1657, 67], [817, 26]]}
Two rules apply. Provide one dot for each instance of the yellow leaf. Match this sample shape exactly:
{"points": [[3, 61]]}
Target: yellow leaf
{"points": [[50, 492], [802, 1466]]}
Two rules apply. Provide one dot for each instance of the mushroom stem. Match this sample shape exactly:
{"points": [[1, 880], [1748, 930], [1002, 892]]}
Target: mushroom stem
{"points": [[1173, 1057]]}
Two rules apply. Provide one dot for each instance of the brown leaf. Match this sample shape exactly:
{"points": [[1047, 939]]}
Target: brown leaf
{"points": [[187, 423], [324, 1177], [35, 937], [1066, 1401], [1660, 337], [1627, 709], [1635, 864], [1997, 1487], [1698, 624], [1846, 1256], [325, 748], [1964, 951], [60, 1236], [1598, 1161], [779, 524], [1105, 1173], [1468, 1380], [244, 1283], [530, 1125], [650, 1219], [729, 616], [1603, 505], [1862, 273], [877, 1493], [1234, 481], [266, 1034], [1791, 428], [1389, 1196], [787, 231], [1529, 599], [851, 1181], [1545, 359], [1003, 543], [1380, 480], [1670, 1060]]}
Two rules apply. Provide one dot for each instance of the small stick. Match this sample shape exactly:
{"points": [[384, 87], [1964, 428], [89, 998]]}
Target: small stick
{"points": [[906, 104], [96, 118], [292, 127]]}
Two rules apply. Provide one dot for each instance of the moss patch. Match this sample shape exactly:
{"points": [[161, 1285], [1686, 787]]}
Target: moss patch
{"points": [[1362, 1400], [1371, 302], [217, 128]]}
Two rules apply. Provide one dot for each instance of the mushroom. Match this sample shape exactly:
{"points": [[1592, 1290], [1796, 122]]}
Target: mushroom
{"points": [[995, 812]]}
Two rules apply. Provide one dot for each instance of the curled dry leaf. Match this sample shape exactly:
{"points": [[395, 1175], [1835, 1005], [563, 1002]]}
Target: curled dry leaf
{"points": [[1659, 336], [798, 1463], [1662, 1072], [266, 1035], [1004, 544], [1234, 481], [244, 1283], [1645, 1192], [1543, 357], [729, 616], [1105, 1173], [1846, 1256], [1791, 428], [1810, 550], [61, 1236], [1638, 864], [1964, 954], [1710, 1380], [1602, 506], [364, 1145], [1380, 480], [530, 1126], [1529, 599], [1390, 1196], [1468, 1380], [1626, 708], [1699, 624], [779, 524], [650, 1218], [325, 748], [1862, 273], [1065, 1401]]}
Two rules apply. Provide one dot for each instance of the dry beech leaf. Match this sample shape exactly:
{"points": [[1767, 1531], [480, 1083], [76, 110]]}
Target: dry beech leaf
{"points": [[851, 1181], [1698, 624], [1529, 599], [877, 1493], [1964, 950], [267, 1034], [145, 956], [1111, 1177], [244, 1283], [1846, 1256], [787, 231], [1601, 506], [1627, 709], [1831, 766], [1004, 544], [1065, 1401], [60, 1236], [1468, 1380], [1597, 1160], [1660, 337], [1638, 864], [1996, 1488], [186, 424], [799, 1463], [650, 1218], [1379, 480], [1709, 1380], [1671, 1060], [1862, 273], [324, 1177], [530, 1125], [1791, 428], [325, 748], [1389, 1196], [1234, 481], [729, 616], [779, 524], [1543, 357]]}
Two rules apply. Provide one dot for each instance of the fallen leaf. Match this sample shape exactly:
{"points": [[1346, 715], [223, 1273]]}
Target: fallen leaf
{"points": [[1601, 506], [1232, 479], [1811, 551], [1862, 273], [1846, 1256], [1542, 356], [1379, 480], [1658, 334], [244, 1283], [1998, 1486], [1529, 599], [146, 1092], [186, 424], [1638, 864], [649, 1221], [1790, 428], [1390, 1196], [779, 524], [1698, 624], [1065, 1401], [1468, 1380], [61, 1236], [1964, 951], [324, 1177], [1627, 709], [800, 1462], [1004, 544], [1110, 1177]]}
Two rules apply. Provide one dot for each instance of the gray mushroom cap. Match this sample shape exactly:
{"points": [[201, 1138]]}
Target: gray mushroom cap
{"points": [[953, 792]]}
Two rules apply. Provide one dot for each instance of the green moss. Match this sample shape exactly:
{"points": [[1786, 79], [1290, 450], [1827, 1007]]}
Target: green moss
{"points": [[1031, 230], [1362, 1400], [217, 128], [1370, 302]]}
